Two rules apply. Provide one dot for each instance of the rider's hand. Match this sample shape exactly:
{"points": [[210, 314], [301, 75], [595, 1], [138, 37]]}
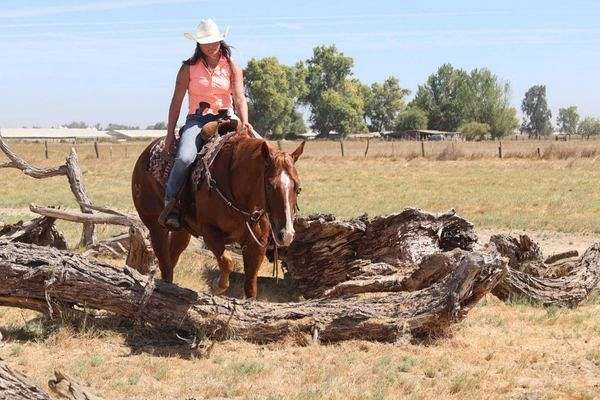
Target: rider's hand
{"points": [[169, 142], [248, 126]]}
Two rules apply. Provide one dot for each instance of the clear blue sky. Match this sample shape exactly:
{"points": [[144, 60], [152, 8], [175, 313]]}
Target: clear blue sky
{"points": [[116, 60]]}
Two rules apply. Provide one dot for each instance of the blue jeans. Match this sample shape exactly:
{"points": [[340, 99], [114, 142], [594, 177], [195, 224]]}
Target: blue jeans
{"points": [[190, 142]]}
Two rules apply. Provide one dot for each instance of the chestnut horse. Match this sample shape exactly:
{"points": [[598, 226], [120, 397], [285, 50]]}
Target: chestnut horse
{"points": [[260, 184]]}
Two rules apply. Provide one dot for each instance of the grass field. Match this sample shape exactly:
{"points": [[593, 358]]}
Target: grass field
{"points": [[518, 351], [547, 194]]}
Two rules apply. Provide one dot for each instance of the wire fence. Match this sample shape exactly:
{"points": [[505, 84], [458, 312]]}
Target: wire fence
{"points": [[349, 149]]}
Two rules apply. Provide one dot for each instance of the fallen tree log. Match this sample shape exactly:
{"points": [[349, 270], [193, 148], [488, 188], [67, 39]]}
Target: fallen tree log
{"points": [[67, 388], [327, 252], [564, 283], [38, 277], [40, 231], [16, 386]]}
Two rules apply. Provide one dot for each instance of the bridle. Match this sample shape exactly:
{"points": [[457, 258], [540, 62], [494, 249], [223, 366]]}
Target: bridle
{"points": [[255, 215]]}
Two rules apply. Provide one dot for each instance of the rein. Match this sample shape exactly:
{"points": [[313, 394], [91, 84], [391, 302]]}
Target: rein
{"points": [[253, 216]]}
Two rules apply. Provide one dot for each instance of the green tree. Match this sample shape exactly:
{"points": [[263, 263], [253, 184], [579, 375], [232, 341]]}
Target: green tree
{"points": [[452, 97], [474, 130], [504, 122], [536, 115], [76, 125], [341, 110], [336, 100], [327, 69], [412, 118], [383, 102], [589, 127], [489, 103], [157, 126], [273, 90], [445, 98], [568, 119]]}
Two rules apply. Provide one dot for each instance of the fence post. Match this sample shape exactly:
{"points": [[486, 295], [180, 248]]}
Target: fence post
{"points": [[539, 153], [422, 148], [279, 146], [393, 148], [367, 149], [96, 149], [342, 146], [500, 150], [110, 152], [46, 148], [453, 152]]}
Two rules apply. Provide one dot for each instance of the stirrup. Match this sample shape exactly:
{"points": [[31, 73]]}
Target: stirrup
{"points": [[169, 218]]}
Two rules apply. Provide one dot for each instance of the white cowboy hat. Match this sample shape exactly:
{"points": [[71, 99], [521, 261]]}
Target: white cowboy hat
{"points": [[206, 32]]}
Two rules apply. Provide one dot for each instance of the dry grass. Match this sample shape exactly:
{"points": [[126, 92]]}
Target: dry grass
{"points": [[499, 351], [547, 194], [519, 351]]}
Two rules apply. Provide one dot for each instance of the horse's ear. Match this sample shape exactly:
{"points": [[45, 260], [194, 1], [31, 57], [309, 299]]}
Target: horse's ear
{"points": [[298, 152], [266, 153]]}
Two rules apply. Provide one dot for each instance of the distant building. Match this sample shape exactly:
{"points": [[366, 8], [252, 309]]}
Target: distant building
{"points": [[54, 134], [308, 135], [136, 134], [423, 134]]}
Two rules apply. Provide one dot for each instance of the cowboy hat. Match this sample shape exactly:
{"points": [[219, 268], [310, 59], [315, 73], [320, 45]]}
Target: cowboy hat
{"points": [[206, 32]]}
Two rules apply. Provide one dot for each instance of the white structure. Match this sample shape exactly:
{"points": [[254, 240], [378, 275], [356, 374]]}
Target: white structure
{"points": [[136, 134], [54, 134]]}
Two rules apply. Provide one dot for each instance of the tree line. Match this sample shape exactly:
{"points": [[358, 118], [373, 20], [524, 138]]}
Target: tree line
{"points": [[475, 103], [113, 126]]}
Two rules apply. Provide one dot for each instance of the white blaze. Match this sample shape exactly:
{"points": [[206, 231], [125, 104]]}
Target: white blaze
{"points": [[288, 234]]}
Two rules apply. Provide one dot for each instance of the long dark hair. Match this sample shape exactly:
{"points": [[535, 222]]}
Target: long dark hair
{"points": [[199, 55]]}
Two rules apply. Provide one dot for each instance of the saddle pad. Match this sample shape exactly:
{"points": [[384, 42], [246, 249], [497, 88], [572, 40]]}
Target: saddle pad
{"points": [[159, 164]]}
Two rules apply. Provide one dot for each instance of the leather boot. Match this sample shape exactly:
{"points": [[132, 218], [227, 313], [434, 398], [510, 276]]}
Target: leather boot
{"points": [[169, 217]]}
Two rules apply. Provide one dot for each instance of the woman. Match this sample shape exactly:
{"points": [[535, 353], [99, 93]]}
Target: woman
{"points": [[211, 79]]}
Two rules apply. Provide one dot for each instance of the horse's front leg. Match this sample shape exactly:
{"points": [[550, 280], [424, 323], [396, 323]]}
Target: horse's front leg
{"points": [[253, 256], [213, 238]]}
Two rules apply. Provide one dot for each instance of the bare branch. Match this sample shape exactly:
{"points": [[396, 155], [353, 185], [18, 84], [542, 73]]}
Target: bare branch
{"points": [[28, 169]]}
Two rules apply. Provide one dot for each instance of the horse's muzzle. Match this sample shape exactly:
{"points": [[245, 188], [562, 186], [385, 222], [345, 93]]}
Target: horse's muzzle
{"points": [[286, 236]]}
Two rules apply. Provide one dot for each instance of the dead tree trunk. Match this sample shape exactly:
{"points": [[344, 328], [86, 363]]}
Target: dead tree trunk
{"points": [[40, 278], [327, 252], [16, 386], [564, 282], [70, 169]]}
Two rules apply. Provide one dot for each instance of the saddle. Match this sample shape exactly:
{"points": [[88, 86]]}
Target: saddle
{"points": [[213, 136]]}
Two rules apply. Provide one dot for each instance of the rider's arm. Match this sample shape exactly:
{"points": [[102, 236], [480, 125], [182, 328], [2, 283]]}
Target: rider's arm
{"points": [[239, 97], [181, 85]]}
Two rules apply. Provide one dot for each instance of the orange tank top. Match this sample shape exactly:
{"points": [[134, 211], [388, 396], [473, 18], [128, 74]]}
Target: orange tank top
{"points": [[212, 88]]}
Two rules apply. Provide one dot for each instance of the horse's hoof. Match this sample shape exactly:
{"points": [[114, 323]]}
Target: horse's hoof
{"points": [[216, 289]]}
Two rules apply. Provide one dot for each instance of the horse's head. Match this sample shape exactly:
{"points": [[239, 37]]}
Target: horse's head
{"points": [[282, 187]]}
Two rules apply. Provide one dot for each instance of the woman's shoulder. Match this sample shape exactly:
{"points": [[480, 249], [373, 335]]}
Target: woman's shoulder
{"points": [[184, 72], [235, 68]]}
